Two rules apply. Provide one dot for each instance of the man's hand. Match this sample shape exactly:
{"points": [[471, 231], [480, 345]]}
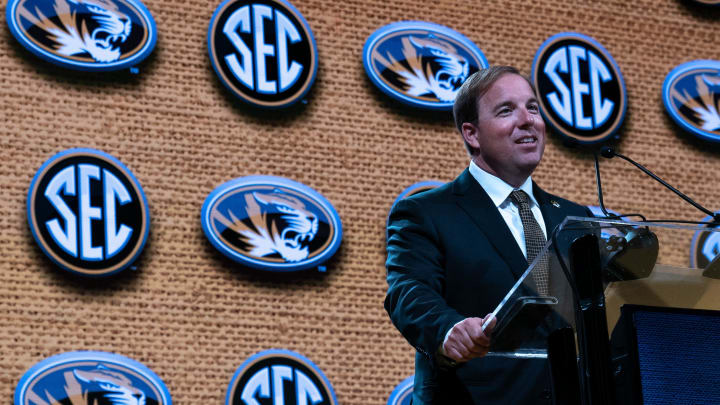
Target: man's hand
{"points": [[467, 341]]}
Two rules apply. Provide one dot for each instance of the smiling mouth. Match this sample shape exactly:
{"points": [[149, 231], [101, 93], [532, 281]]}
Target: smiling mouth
{"points": [[526, 140]]}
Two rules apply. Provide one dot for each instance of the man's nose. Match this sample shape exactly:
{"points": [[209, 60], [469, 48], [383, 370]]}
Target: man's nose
{"points": [[527, 118]]}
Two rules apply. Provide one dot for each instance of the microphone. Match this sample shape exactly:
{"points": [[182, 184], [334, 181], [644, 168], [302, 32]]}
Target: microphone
{"points": [[633, 255], [712, 270], [609, 153]]}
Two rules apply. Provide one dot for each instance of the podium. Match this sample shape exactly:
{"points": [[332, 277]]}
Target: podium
{"points": [[612, 278]]}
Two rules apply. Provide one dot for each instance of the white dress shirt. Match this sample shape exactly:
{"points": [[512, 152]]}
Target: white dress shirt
{"points": [[499, 192]]}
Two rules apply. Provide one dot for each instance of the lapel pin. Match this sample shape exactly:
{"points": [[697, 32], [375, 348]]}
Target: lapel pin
{"points": [[555, 203]]}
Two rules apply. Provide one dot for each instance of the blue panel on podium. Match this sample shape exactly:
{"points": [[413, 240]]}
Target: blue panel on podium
{"points": [[678, 355]]}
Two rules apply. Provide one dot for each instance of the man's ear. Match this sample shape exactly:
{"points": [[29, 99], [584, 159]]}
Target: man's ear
{"points": [[470, 133]]}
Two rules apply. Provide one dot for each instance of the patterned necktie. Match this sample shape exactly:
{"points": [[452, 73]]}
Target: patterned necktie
{"points": [[534, 241]]}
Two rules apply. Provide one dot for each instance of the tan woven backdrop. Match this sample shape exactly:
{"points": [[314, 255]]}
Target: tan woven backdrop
{"points": [[193, 316]]}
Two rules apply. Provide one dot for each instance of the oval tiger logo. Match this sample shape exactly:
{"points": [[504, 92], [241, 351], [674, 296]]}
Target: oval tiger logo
{"points": [[691, 94], [89, 35], [271, 223], [421, 64], [90, 378]]}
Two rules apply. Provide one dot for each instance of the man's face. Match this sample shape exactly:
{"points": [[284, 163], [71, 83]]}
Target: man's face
{"points": [[509, 137]]}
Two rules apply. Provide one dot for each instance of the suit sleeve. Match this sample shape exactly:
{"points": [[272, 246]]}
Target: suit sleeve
{"points": [[416, 279]]}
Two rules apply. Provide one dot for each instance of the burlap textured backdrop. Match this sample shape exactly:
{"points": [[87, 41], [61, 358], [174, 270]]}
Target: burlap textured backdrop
{"points": [[191, 315]]}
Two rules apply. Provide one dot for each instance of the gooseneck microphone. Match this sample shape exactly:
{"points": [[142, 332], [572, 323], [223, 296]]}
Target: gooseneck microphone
{"points": [[599, 188], [609, 153]]}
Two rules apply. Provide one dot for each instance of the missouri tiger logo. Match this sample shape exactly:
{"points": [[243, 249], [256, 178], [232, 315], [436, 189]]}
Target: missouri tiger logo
{"points": [[421, 64], [691, 94], [90, 378], [271, 223], [279, 377], [84, 34]]}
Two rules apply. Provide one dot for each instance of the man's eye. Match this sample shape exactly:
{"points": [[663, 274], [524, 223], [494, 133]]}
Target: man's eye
{"points": [[533, 108]]}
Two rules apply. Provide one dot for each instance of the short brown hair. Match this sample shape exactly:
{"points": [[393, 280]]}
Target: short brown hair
{"points": [[465, 108]]}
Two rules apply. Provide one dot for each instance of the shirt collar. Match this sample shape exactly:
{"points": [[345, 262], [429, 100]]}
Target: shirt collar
{"points": [[496, 188]]}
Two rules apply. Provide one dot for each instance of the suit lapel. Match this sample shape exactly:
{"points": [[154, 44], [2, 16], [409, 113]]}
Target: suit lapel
{"points": [[553, 214], [475, 202]]}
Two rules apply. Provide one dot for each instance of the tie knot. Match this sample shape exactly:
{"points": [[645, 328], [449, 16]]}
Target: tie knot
{"points": [[519, 197]]}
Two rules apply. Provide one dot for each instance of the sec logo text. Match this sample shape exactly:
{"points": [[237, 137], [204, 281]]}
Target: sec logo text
{"points": [[87, 212]]}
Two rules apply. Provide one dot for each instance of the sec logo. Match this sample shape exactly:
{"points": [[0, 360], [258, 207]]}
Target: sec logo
{"points": [[263, 51], [691, 93], [421, 64], [705, 246], [580, 89], [271, 223], [89, 35], [90, 378], [280, 377], [87, 212]]}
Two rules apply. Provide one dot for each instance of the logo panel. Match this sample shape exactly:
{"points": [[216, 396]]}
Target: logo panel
{"points": [[285, 377], [89, 35], [705, 246], [580, 88], [402, 394], [271, 223], [417, 188], [87, 212], [263, 51], [421, 64], [88, 378], [691, 94], [708, 2]]}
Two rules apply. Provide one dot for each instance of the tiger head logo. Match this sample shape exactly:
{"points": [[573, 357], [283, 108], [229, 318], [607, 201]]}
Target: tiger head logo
{"points": [[432, 67], [94, 29], [98, 386], [704, 104], [277, 223]]}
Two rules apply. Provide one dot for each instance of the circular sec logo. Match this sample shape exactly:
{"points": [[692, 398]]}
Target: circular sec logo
{"points": [[279, 377], [691, 94], [88, 35], [271, 223], [88, 213], [705, 246], [421, 64], [81, 378], [263, 51], [580, 89]]}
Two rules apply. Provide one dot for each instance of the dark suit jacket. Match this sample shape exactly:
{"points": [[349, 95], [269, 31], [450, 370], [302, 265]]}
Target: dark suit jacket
{"points": [[452, 256]]}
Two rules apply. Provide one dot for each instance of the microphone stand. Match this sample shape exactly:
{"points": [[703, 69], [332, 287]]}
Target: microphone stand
{"points": [[609, 153]]}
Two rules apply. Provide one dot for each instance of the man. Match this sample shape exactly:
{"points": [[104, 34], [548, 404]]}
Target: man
{"points": [[455, 251]]}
